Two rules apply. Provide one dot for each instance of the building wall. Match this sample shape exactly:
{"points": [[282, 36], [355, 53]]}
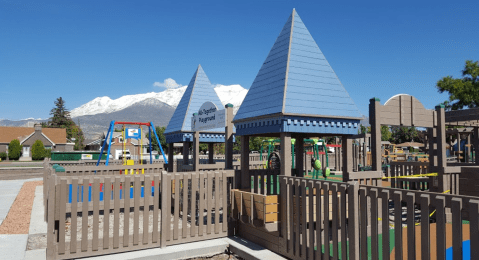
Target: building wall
{"points": [[37, 136]]}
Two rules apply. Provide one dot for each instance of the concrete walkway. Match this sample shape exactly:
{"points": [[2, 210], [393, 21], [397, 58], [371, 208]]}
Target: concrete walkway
{"points": [[12, 246], [8, 193]]}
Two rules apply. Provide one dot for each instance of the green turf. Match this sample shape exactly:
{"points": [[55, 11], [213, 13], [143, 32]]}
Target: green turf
{"points": [[380, 246]]}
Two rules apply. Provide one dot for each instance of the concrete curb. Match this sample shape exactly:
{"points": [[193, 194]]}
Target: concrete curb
{"points": [[249, 250]]}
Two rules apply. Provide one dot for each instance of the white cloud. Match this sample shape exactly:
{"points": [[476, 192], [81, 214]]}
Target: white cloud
{"points": [[169, 83]]}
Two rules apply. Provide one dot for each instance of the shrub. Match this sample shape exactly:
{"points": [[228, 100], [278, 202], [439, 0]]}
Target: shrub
{"points": [[14, 150], [3, 156], [38, 150], [48, 153]]}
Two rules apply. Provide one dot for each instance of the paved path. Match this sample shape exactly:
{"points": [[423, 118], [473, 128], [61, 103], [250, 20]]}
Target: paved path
{"points": [[8, 193]]}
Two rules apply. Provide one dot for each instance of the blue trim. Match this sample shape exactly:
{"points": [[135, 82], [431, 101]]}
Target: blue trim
{"points": [[298, 124], [180, 137]]}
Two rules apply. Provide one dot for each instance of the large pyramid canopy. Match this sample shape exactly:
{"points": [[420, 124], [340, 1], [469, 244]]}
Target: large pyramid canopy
{"points": [[296, 79], [198, 92]]}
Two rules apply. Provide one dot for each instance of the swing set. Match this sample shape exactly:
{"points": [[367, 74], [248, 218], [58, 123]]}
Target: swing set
{"points": [[135, 134], [316, 144]]}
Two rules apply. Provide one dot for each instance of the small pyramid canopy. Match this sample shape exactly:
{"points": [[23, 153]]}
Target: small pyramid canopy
{"points": [[296, 80], [199, 91]]}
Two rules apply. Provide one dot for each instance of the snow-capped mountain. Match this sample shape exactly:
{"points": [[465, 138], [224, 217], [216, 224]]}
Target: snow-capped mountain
{"points": [[233, 94]]}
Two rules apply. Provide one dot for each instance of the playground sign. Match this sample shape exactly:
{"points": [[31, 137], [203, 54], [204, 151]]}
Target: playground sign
{"points": [[134, 133], [208, 117]]}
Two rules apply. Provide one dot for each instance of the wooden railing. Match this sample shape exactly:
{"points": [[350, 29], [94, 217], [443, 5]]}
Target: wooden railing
{"points": [[400, 170], [129, 212]]}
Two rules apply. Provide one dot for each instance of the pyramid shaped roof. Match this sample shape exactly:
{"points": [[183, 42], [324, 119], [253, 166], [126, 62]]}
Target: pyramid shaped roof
{"points": [[199, 91], [296, 79]]}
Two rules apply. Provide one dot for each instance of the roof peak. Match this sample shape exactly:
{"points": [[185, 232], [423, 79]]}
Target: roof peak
{"points": [[297, 79]]}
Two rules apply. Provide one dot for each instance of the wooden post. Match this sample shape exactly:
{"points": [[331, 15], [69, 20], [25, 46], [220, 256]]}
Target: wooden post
{"points": [[170, 157], [186, 152], [299, 150], [229, 137], [285, 154], [374, 116], [245, 180], [458, 147], [347, 147], [476, 144], [196, 151], [211, 152], [441, 150]]}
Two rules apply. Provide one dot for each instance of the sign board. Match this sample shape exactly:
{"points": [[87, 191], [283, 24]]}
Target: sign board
{"points": [[134, 133], [274, 161], [208, 117], [87, 156]]}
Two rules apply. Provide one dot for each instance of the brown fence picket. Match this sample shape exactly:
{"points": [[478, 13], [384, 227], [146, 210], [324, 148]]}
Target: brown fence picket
{"points": [[126, 219], [96, 211], [73, 224], [441, 227], [374, 224], [84, 215], [146, 209], [156, 199], [63, 195], [194, 187], [176, 205], [116, 212], [201, 207], [184, 215]]}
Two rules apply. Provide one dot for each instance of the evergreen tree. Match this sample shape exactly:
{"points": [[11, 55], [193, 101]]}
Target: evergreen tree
{"points": [[14, 150], [60, 115], [61, 119], [38, 150]]}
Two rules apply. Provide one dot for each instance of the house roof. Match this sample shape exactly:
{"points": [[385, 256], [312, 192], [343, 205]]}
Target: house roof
{"points": [[296, 79], [198, 92], [7, 134]]}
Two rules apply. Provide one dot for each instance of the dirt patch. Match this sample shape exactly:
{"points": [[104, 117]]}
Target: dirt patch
{"points": [[18, 218], [37, 241]]}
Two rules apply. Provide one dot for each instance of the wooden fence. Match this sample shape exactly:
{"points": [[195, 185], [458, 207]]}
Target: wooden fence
{"points": [[322, 219], [95, 215]]}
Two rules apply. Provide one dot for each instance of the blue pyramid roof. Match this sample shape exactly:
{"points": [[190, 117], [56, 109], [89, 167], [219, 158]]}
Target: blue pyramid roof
{"points": [[297, 79], [198, 92]]}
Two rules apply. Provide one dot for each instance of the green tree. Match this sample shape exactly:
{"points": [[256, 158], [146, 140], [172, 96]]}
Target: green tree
{"points": [[463, 92], [3, 156], [60, 115], [14, 150], [386, 134], [401, 134], [38, 150], [364, 129], [61, 119], [160, 131]]}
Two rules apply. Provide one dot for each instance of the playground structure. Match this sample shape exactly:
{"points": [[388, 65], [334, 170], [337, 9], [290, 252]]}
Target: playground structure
{"points": [[109, 135], [278, 208]]}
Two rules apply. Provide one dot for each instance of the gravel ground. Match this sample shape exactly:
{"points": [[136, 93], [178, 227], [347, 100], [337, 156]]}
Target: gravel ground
{"points": [[18, 218], [68, 228]]}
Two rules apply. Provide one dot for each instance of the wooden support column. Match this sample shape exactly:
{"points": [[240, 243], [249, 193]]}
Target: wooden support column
{"points": [[245, 180], [431, 136], [441, 150], [467, 149], [211, 153], [299, 150], [476, 144], [347, 147], [196, 151], [458, 147], [285, 154], [186, 152], [171, 161], [336, 155], [229, 137], [374, 116]]}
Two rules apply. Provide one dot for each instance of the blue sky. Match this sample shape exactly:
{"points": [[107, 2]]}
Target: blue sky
{"points": [[85, 49]]}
